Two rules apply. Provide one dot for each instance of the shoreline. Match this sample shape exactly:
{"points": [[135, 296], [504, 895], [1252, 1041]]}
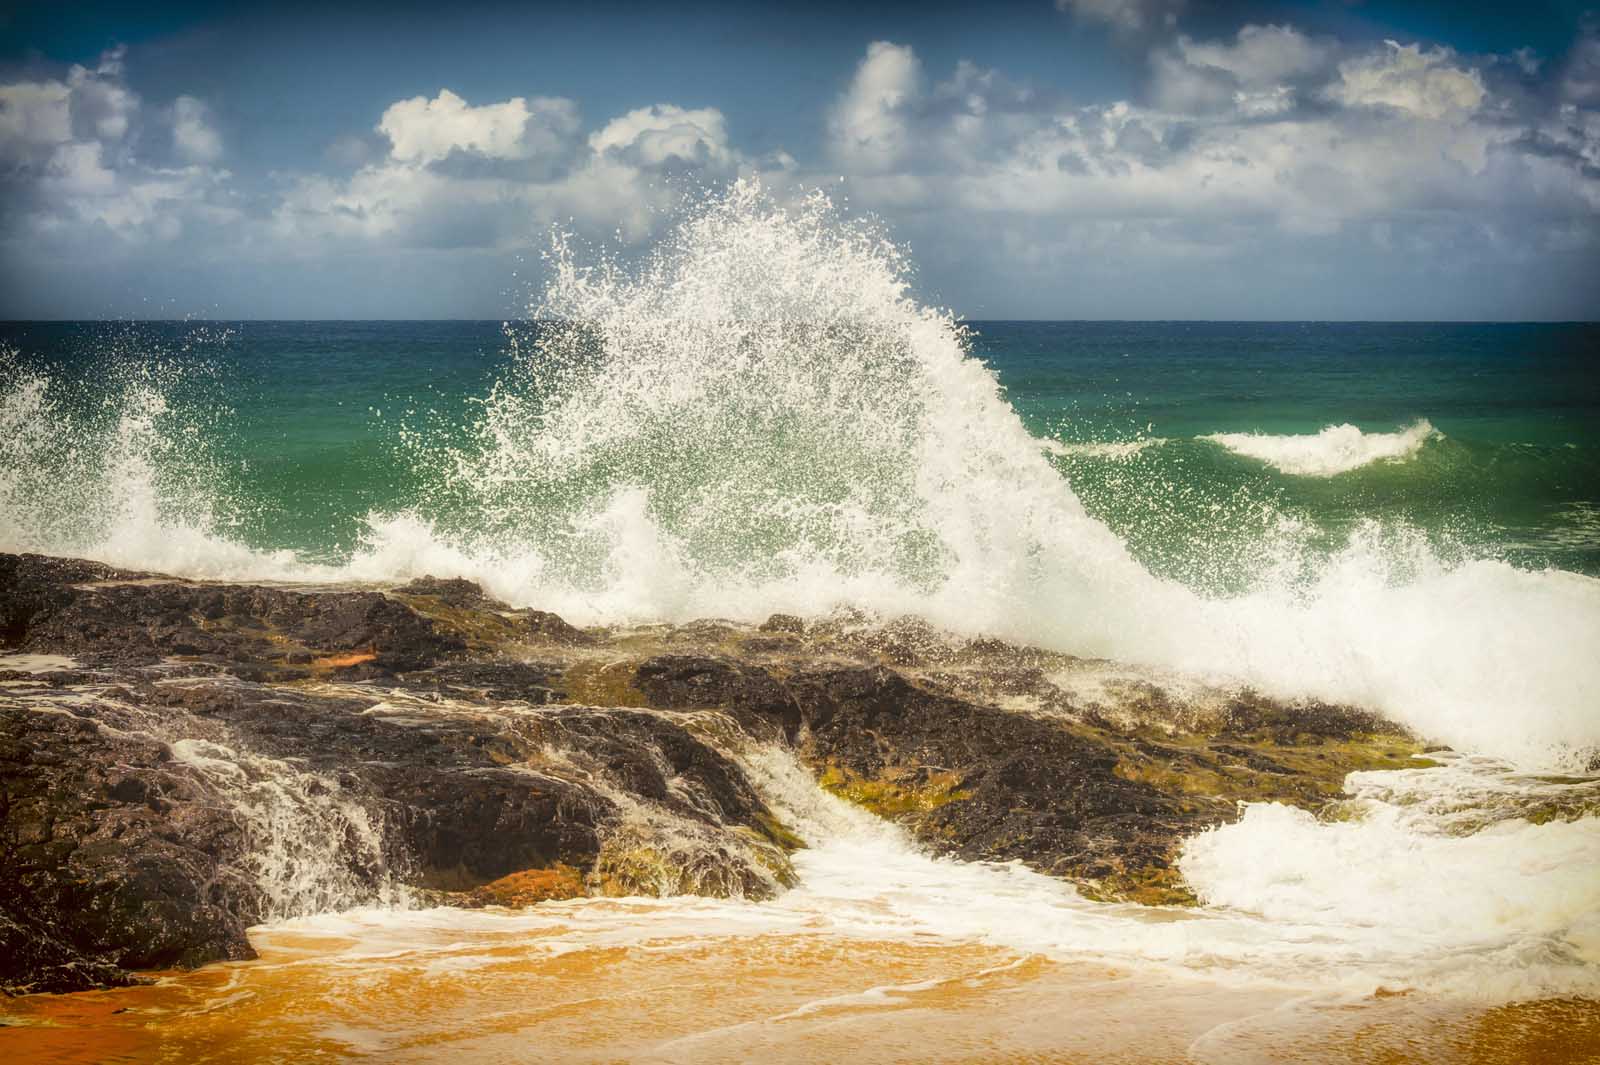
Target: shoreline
{"points": [[194, 769]]}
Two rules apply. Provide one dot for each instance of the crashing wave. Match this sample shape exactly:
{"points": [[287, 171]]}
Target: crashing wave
{"points": [[759, 418]]}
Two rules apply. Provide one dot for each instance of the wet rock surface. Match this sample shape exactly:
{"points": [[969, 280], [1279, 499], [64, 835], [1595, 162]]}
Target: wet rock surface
{"points": [[180, 760]]}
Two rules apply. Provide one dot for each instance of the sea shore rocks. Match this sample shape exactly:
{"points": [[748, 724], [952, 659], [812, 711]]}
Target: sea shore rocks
{"points": [[180, 760]]}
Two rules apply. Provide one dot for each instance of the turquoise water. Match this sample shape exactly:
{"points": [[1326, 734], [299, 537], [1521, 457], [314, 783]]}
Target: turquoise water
{"points": [[304, 427]]}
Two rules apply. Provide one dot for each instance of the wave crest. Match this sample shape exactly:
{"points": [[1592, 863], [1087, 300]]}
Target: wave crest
{"points": [[760, 418], [1336, 449]]}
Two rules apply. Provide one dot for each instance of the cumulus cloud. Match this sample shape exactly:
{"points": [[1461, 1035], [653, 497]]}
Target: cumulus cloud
{"points": [[869, 123], [1405, 77], [425, 131], [1264, 143], [665, 136], [494, 175], [192, 133], [35, 117], [73, 154], [1263, 163], [1264, 139], [1257, 72], [38, 117], [1260, 55], [888, 119]]}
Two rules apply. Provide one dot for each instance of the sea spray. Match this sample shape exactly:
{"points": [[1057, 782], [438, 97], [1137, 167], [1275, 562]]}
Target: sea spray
{"points": [[113, 467], [759, 417]]}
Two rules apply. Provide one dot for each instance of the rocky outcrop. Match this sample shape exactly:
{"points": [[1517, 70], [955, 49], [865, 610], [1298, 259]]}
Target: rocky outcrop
{"points": [[109, 617], [197, 757]]}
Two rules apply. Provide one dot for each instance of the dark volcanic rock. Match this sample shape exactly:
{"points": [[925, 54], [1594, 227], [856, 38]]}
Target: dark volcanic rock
{"points": [[755, 697], [112, 857], [985, 783], [32, 586], [970, 779], [461, 606], [150, 813], [219, 754], [453, 591], [52, 606], [119, 854]]}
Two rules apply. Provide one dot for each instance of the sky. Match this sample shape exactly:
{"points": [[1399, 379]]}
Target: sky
{"points": [[1129, 159]]}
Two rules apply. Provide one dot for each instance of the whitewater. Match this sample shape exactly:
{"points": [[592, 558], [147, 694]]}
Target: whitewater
{"points": [[759, 418], [1336, 449]]}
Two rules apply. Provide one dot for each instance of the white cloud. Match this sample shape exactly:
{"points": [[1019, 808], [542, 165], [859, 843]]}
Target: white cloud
{"points": [[74, 155], [418, 197], [1580, 83], [664, 135], [1255, 72], [869, 123], [33, 115], [1404, 77], [1239, 146], [1260, 55], [1181, 87], [192, 133], [102, 107], [87, 105], [425, 131], [77, 171], [1264, 146]]}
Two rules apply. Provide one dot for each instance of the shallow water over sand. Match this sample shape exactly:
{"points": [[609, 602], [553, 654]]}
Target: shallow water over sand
{"points": [[496, 993], [880, 953]]}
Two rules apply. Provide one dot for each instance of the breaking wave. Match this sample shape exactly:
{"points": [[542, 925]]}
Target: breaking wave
{"points": [[1336, 449], [759, 418]]}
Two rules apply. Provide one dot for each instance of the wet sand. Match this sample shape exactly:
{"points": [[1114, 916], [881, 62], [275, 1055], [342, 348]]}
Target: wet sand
{"points": [[492, 994]]}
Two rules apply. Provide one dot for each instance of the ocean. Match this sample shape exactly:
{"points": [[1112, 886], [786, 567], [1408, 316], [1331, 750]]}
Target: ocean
{"points": [[760, 418], [1188, 439], [1334, 509]]}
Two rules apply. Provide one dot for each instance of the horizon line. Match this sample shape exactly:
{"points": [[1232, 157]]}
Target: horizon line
{"points": [[959, 321]]}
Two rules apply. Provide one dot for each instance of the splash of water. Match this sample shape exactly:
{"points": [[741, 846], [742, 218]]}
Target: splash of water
{"points": [[113, 469], [759, 417], [311, 847], [1286, 913]]}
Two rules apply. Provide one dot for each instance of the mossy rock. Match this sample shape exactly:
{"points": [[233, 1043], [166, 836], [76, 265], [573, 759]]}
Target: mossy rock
{"points": [[595, 683], [897, 793]]}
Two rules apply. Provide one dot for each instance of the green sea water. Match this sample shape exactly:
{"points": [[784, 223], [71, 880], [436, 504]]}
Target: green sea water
{"points": [[303, 429]]}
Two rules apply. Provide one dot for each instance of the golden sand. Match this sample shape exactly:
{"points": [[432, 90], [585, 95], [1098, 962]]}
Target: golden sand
{"points": [[480, 994]]}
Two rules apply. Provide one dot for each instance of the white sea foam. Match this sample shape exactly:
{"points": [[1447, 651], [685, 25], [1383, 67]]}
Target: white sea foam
{"points": [[1383, 900], [760, 418], [1336, 449]]}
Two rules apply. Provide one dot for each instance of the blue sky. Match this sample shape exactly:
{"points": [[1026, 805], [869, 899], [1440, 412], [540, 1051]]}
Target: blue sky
{"points": [[1077, 159]]}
